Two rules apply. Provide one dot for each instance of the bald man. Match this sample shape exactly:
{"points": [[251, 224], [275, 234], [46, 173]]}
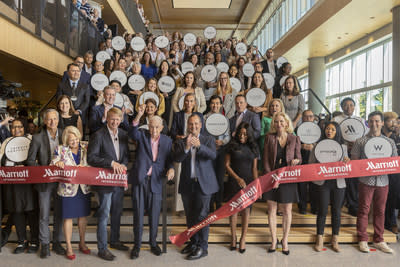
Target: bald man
{"points": [[146, 176]]}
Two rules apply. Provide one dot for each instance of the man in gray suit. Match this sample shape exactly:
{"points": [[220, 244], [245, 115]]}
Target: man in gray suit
{"points": [[244, 115], [40, 153]]}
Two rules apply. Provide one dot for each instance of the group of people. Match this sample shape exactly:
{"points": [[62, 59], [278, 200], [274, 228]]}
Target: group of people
{"points": [[172, 141]]}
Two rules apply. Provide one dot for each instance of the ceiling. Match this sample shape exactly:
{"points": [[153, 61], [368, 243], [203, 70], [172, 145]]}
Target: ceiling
{"points": [[235, 21]]}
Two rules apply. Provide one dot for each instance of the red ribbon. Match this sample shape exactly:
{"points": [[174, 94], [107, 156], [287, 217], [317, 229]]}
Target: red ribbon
{"points": [[296, 174], [72, 175]]}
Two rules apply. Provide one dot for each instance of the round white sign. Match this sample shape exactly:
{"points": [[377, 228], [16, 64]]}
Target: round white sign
{"points": [[99, 81], [102, 56], [118, 43], [377, 147], [187, 66], [309, 132], [208, 92], [161, 41], [17, 149], [269, 80], [223, 67], [210, 32], [217, 124], [235, 83], [119, 100], [189, 39], [328, 150], [248, 69], [119, 76], [256, 97], [352, 129], [166, 84], [136, 82], [283, 79], [280, 61], [146, 95], [138, 44], [181, 102], [209, 73], [241, 49]]}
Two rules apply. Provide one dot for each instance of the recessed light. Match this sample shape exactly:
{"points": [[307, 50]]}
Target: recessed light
{"points": [[346, 33], [372, 17], [339, 37]]}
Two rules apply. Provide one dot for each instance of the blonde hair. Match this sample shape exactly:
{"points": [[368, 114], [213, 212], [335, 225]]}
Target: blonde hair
{"points": [[289, 128], [115, 111], [70, 130], [228, 85], [269, 115]]}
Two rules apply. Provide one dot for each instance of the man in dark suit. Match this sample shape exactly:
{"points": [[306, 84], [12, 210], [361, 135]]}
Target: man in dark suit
{"points": [[98, 114], [4, 132], [88, 63], [244, 115], [108, 148], [269, 64], [76, 89], [154, 163], [84, 76], [40, 153], [197, 182]]}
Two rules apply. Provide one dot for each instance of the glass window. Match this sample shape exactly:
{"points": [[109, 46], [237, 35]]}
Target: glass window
{"points": [[334, 80], [375, 66], [376, 100], [359, 71], [345, 76], [387, 62]]}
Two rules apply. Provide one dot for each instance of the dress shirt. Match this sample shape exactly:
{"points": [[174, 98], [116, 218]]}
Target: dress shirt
{"points": [[114, 139], [154, 151], [53, 142]]}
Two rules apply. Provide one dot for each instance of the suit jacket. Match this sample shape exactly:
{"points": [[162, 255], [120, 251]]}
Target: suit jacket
{"points": [[39, 153], [251, 118], [95, 119], [205, 155], [84, 78], [101, 152], [82, 93], [143, 163], [178, 123], [293, 147], [4, 133], [266, 69]]}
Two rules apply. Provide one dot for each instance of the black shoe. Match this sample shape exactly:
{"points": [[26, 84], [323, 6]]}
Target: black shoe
{"points": [[135, 253], [188, 249], [156, 250], [33, 248], [119, 246], [197, 254], [302, 211], [21, 247], [4, 237], [272, 250], [285, 252], [58, 249], [106, 255], [45, 251], [242, 250]]}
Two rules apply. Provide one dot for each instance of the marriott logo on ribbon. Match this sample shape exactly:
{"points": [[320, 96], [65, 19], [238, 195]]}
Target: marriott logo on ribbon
{"points": [[111, 176], [382, 165], [14, 174], [287, 175], [339, 170], [60, 173], [243, 198]]}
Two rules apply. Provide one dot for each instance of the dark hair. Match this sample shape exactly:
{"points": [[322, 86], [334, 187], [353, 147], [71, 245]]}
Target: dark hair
{"points": [[78, 56], [107, 64], [72, 64], [237, 96], [263, 85], [280, 71], [251, 142], [376, 113], [215, 97], [184, 79], [143, 61], [345, 100], [158, 75], [115, 81], [338, 136], [296, 89]]}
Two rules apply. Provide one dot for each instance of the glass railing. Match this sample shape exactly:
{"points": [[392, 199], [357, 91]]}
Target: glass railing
{"points": [[56, 22], [132, 13]]}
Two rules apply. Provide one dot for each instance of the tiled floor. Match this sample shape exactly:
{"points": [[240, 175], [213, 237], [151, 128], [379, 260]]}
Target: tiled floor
{"points": [[220, 256]]}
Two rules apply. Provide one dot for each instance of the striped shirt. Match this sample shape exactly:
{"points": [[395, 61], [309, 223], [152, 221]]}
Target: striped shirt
{"points": [[357, 152]]}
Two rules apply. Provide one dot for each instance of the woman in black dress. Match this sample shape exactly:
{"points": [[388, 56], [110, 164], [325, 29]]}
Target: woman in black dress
{"points": [[68, 115], [241, 165], [281, 148]]}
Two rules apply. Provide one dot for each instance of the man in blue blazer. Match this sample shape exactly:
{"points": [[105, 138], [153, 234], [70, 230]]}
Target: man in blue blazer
{"points": [[152, 164], [98, 114], [108, 148], [244, 115], [197, 182]]}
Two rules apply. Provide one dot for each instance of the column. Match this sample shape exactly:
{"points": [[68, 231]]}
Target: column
{"points": [[396, 58], [316, 81]]}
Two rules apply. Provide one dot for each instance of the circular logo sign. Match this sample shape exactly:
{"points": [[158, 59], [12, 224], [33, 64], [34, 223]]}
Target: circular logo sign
{"points": [[328, 150], [119, 100], [189, 39], [146, 95], [119, 76], [208, 73], [309, 132], [269, 80], [99, 81], [136, 82], [187, 66], [102, 56], [241, 49], [138, 44], [377, 147], [223, 67], [280, 61], [118, 43], [161, 42], [217, 124], [283, 79], [352, 129], [181, 102], [17, 149], [235, 83], [256, 97], [248, 69], [166, 84], [210, 32]]}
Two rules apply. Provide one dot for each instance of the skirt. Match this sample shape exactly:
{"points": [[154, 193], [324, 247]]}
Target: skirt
{"points": [[285, 193], [76, 206]]}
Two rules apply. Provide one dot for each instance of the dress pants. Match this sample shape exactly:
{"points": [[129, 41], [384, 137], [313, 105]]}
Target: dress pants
{"points": [[197, 206], [329, 193], [352, 194], [307, 191], [367, 195], [144, 200], [44, 214], [20, 219], [110, 202], [219, 166]]}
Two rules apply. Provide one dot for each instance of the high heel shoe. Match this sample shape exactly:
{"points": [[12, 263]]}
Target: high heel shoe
{"points": [[242, 250], [70, 257], [84, 250], [232, 248], [272, 250], [285, 252]]}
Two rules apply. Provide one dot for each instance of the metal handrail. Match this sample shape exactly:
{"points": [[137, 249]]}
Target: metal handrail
{"points": [[44, 107], [318, 99]]}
